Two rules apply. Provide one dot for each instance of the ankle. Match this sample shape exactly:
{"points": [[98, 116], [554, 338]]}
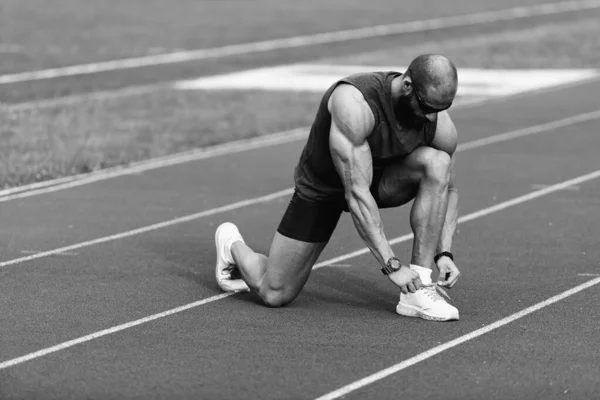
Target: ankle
{"points": [[424, 273]]}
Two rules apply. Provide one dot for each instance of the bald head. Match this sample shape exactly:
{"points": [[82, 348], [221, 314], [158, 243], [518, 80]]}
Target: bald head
{"points": [[434, 78]]}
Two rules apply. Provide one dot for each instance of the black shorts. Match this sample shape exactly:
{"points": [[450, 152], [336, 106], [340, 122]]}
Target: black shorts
{"points": [[314, 221]]}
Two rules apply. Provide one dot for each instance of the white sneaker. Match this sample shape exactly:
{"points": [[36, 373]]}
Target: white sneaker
{"points": [[226, 271], [426, 303]]}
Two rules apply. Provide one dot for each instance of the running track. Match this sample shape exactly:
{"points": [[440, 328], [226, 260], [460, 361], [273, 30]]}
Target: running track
{"points": [[342, 328]]}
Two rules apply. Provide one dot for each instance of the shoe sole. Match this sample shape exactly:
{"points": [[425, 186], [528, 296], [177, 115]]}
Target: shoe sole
{"points": [[410, 311]]}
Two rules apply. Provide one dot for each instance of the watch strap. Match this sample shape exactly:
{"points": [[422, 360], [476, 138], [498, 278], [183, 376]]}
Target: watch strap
{"points": [[443, 254]]}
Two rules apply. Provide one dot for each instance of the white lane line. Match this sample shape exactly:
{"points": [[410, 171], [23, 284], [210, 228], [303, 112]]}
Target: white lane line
{"points": [[286, 192], [38, 251], [161, 162], [336, 260], [456, 342], [588, 274], [250, 144], [532, 130], [99, 334], [541, 186], [306, 40], [153, 227]]}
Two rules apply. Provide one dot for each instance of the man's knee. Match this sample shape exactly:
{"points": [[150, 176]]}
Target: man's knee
{"points": [[277, 297], [436, 165]]}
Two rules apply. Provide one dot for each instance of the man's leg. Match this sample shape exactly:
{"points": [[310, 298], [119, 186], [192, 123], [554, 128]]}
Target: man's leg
{"points": [[279, 277], [423, 176]]}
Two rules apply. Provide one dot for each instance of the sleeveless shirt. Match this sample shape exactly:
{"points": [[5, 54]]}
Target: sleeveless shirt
{"points": [[315, 175]]}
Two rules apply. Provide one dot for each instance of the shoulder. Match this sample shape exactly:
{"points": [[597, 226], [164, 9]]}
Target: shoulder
{"points": [[350, 112], [446, 137]]}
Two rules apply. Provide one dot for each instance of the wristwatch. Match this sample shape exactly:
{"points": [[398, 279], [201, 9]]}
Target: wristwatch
{"points": [[392, 265]]}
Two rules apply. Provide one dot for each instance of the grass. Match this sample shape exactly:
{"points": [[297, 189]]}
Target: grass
{"points": [[52, 142], [43, 144]]}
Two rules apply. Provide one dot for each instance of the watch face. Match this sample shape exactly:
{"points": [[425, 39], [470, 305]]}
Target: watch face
{"points": [[394, 263]]}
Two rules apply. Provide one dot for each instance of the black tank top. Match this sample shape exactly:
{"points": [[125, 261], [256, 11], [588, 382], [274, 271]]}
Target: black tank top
{"points": [[315, 175]]}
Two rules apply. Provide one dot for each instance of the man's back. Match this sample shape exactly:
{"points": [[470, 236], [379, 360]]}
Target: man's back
{"points": [[315, 175]]}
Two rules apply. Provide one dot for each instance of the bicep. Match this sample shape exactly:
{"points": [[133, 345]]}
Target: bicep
{"points": [[352, 161], [351, 124]]}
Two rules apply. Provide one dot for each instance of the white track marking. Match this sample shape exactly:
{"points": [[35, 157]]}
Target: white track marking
{"points": [[153, 227], [99, 334], [540, 186], [588, 274], [306, 40], [282, 193], [136, 168], [560, 123], [336, 260], [456, 342], [37, 252], [250, 144]]}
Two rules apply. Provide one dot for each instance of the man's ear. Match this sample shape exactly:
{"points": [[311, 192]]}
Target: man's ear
{"points": [[407, 85]]}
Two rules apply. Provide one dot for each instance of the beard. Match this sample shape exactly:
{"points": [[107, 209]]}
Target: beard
{"points": [[406, 115]]}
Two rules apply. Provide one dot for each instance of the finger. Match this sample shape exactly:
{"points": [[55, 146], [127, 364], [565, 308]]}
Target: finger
{"points": [[451, 280], [454, 280], [403, 289], [443, 276], [418, 283], [411, 287]]}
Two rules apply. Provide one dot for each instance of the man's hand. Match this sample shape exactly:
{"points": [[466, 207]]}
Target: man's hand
{"points": [[406, 279], [449, 273]]}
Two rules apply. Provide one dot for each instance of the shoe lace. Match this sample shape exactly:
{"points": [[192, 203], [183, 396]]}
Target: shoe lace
{"points": [[435, 292]]}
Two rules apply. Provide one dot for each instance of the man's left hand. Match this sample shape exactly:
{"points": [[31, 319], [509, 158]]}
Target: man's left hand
{"points": [[449, 273]]}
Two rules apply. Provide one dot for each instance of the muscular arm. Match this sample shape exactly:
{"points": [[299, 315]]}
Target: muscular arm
{"points": [[446, 140], [449, 228], [352, 122]]}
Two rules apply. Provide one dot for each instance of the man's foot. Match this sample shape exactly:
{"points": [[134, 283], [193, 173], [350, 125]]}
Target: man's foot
{"points": [[426, 302], [227, 274]]}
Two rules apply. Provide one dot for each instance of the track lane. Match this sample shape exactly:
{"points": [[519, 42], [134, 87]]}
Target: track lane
{"points": [[343, 326]]}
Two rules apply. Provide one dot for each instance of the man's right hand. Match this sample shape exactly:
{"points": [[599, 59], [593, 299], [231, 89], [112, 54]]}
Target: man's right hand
{"points": [[406, 279]]}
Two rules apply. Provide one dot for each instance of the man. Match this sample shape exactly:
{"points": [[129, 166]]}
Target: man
{"points": [[379, 140]]}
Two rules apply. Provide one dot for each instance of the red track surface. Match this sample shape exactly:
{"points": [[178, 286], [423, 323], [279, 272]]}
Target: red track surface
{"points": [[343, 326]]}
